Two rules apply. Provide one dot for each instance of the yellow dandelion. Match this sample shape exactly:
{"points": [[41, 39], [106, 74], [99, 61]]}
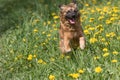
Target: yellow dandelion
{"points": [[43, 32], [68, 57], [108, 22], [48, 22], [74, 75], [52, 59], [106, 43], [114, 15], [96, 33], [114, 61], [91, 28], [112, 34], [108, 3], [98, 9], [29, 57], [53, 14], [93, 40], [81, 71], [40, 61], [91, 19], [44, 23], [96, 57], [98, 69], [105, 49], [55, 29], [107, 35], [53, 25], [55, 17], [24, 40], [11, 51], [34, 55], [86, 32], [118, 38], [51, 77], [112, 18], [105, 9], [103, 39], [94, 1], [86, 4], [101, 17], [48, 35], [55, 38], [35, 30], [115, 52], [92, 10], [105, 54], [44, 62], [62, 56], [115, 9]]}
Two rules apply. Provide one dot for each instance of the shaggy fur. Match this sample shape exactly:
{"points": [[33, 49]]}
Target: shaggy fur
{"points": [[71, 33]]}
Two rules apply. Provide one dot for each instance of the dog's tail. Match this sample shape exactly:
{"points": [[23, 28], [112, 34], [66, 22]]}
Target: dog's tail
{"points": [[74, 1]]}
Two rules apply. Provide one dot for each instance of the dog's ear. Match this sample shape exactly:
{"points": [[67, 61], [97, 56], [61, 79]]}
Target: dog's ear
{"points": [[61, 7], [74, 1]]}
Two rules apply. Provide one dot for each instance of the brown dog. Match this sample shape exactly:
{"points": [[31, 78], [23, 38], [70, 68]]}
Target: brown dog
{"points": [[71, 33]]}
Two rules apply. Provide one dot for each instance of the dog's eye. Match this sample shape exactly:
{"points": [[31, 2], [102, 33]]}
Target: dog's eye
{"points": [[68, 11], [76, 10]]}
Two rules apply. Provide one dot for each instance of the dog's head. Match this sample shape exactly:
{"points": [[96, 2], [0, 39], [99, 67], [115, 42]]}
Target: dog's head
{"points": [[69, 13]]}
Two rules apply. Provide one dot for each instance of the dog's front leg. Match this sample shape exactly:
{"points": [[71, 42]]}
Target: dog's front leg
{"points": [[67, 44], [82, 42]]}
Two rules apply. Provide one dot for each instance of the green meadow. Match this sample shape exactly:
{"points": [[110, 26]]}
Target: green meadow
{"points": [[29, 41]]}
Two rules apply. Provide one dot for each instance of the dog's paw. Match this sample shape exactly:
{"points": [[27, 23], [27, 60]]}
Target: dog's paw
{"points": [[82, 46], [68, 50]]}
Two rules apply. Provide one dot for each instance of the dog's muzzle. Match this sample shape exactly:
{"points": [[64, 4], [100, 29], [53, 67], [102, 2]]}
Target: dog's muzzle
{"points": [[71, 17]]}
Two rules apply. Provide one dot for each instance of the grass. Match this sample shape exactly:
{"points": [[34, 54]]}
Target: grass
{"points": [[29, 41]]}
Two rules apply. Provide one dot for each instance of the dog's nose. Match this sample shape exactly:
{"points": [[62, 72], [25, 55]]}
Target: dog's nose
{"points": [[73, 16]]}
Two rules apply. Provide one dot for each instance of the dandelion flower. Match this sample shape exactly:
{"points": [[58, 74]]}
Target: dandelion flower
{"points": [[86, 32], [108, 3], [40, 61], [98, 69], [29, 57], [115, 52], [91, 28], [103, 39], [105, 49], [48, 35], [112, 34], [56, 17], [101, 17], [49, 22], [96, 57], [118, 38], [24, 40], [51, 77], [53, 14], [86, 4], [108, 22], [34, 56], [91, 19], [93, 40], [62, 56], [35, 30], [81, 71], [114, 61], [52, 59], [105, 54], [74, 75]]}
